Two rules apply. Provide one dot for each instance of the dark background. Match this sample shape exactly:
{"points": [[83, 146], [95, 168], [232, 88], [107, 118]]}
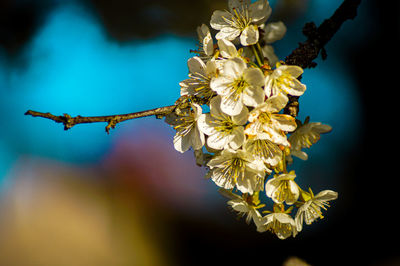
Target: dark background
{"points": [[360, 228]]}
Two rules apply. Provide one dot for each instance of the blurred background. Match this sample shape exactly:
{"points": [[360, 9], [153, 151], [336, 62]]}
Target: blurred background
{"points": [[82, 197]]}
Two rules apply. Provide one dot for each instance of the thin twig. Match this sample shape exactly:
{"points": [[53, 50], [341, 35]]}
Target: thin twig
{"points": [[305, 54], [111, 120]]}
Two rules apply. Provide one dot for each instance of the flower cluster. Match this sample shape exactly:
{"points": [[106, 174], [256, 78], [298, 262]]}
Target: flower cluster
{"points": [[245, 139]]}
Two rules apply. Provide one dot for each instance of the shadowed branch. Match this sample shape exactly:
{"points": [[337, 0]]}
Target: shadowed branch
{"points": [[305, 54]]}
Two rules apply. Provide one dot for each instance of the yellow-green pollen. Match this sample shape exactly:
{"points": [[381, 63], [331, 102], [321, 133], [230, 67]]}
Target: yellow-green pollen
{"points": [[236, 89], [201, 84], [225, 126], [186, 123], [264, 149], [240, 19], [233, 168]]}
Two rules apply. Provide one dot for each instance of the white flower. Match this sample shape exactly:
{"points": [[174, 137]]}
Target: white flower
{"points": [[274, 31], [266, 123], [245, 205], [223, 130], [206, 41], [284, 80], [200, 75], [311, 209], [304, 136], [237, 168], [227, 49], [187, 133], [264, 150], [242, 20], [282, 188], [282, 224], [238, 86]]}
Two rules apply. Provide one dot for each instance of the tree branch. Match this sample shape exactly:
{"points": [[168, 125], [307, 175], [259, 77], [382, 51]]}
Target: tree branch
{"points": [[112, 120], [303, 56]]}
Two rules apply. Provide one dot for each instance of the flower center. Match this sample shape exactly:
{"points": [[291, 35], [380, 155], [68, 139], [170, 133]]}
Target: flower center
{"points": [[315, 211], [233, 168], [186, 123], [263, 149], [240, 18], [201, 84], [283, 191], [225, 126], [236, 90], [284, 80], [283, 229], [264, 118]]}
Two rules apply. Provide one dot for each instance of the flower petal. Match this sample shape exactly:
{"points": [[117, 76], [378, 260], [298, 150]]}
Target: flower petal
{"points": [[221, 84], [326, 195], [274, 31], [234, 68], [219, 160], [299, 218], [260, 11], [295, 71], [202, 31], [182, 143], [205, 124], [196, 65], [239, 205], [238, 4], [206, 40], [232, 104], [249, 35], [215, 109], [211, 68], [221, 179], [276, 136], [197, 110], [296, 88], [284, 122], [197, 139], [218, 141], [249, 182], [238, 138], [293, 196], [227, 48], [276, 103], [254, 77], [242, 117], [254, 128], [269, 53], [253, 96], [299, 154], [186, 87], [269, 86], [228, 33], [217, 19]]}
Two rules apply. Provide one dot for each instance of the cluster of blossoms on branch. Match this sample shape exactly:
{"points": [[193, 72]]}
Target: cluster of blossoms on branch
{"points": [[246, 140]]}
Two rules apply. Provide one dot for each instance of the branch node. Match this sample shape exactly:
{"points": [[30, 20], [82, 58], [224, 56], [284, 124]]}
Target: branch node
{"points": [[112, 123]]}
